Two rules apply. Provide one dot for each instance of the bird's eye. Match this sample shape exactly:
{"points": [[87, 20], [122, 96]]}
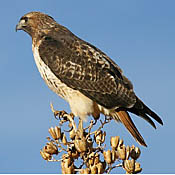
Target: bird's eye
{"points": [[24, 19], [50, 17]]}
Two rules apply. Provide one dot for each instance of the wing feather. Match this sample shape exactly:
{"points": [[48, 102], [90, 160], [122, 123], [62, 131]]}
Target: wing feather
{"points": [[83, 67]]}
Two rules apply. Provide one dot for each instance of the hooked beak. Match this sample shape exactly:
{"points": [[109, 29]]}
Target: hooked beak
{"points": [[20, 25]]}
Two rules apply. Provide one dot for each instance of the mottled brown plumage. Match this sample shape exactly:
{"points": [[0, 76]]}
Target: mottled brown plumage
{"points": [[82, 74]]}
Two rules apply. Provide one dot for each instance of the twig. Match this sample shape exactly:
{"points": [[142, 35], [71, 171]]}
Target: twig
{"points": [[102, 125], [109, 169], [89, 128], [54, 160]]}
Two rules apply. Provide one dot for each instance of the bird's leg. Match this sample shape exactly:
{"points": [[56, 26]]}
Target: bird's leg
{"points": [[107, 120], [89, 128], [69, 129], [95, 121], [90, 125]]}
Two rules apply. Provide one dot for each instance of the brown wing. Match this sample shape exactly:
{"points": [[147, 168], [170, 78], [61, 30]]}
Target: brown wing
{"points": [[83, 67]]}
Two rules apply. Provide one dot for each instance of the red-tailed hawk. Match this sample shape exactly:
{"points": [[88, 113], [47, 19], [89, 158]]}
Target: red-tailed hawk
{"points": [[82, 74]]}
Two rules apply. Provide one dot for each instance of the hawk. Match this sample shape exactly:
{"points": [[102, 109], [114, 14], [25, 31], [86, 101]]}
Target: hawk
{"points": [[82, 74]]}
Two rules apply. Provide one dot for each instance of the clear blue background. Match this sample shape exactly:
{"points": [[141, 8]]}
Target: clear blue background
{"points": [[138, 35]]}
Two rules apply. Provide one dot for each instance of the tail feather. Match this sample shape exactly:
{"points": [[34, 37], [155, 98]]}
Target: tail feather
{"points": [[148, 119], [151, 113], [143, 111], [142, 115], [127, 121], [140, 109]]}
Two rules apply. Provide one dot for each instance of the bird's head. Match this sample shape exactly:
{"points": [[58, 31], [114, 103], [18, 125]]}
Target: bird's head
{"points": [[35, 22]]}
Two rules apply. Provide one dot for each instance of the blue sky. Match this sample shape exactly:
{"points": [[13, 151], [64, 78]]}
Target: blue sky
{"points": [[138, 35]]}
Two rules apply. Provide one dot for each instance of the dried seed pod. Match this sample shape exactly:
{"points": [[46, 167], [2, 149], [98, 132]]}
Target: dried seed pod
{"points": [[127, 152], [135, 152], [52, 133], [64, 156], [67, 165], [103, 137], [99, 137], [104, 164], [70, 169], [63, 168], [67, 161], [55, 132], [129, 166], [122, 152], [100, 168], [137, 168], [91, 158], [80, 144], [96, 158], [94, 169], [45, 156], [113, 155], [58, 132], [107, 156], [89, 143], [64, 139], [73, 153], [69, 152], [85, 171], [120, 142], [50, 148], [114, 142], [116, 155]]}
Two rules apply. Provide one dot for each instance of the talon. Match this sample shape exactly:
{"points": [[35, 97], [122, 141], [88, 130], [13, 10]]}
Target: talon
{"points": [[94, 123], [62, 115], [69, 129], [56, 113]]}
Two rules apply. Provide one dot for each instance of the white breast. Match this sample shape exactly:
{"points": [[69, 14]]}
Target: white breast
{"points": [[51, 80], [80, 105]]}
